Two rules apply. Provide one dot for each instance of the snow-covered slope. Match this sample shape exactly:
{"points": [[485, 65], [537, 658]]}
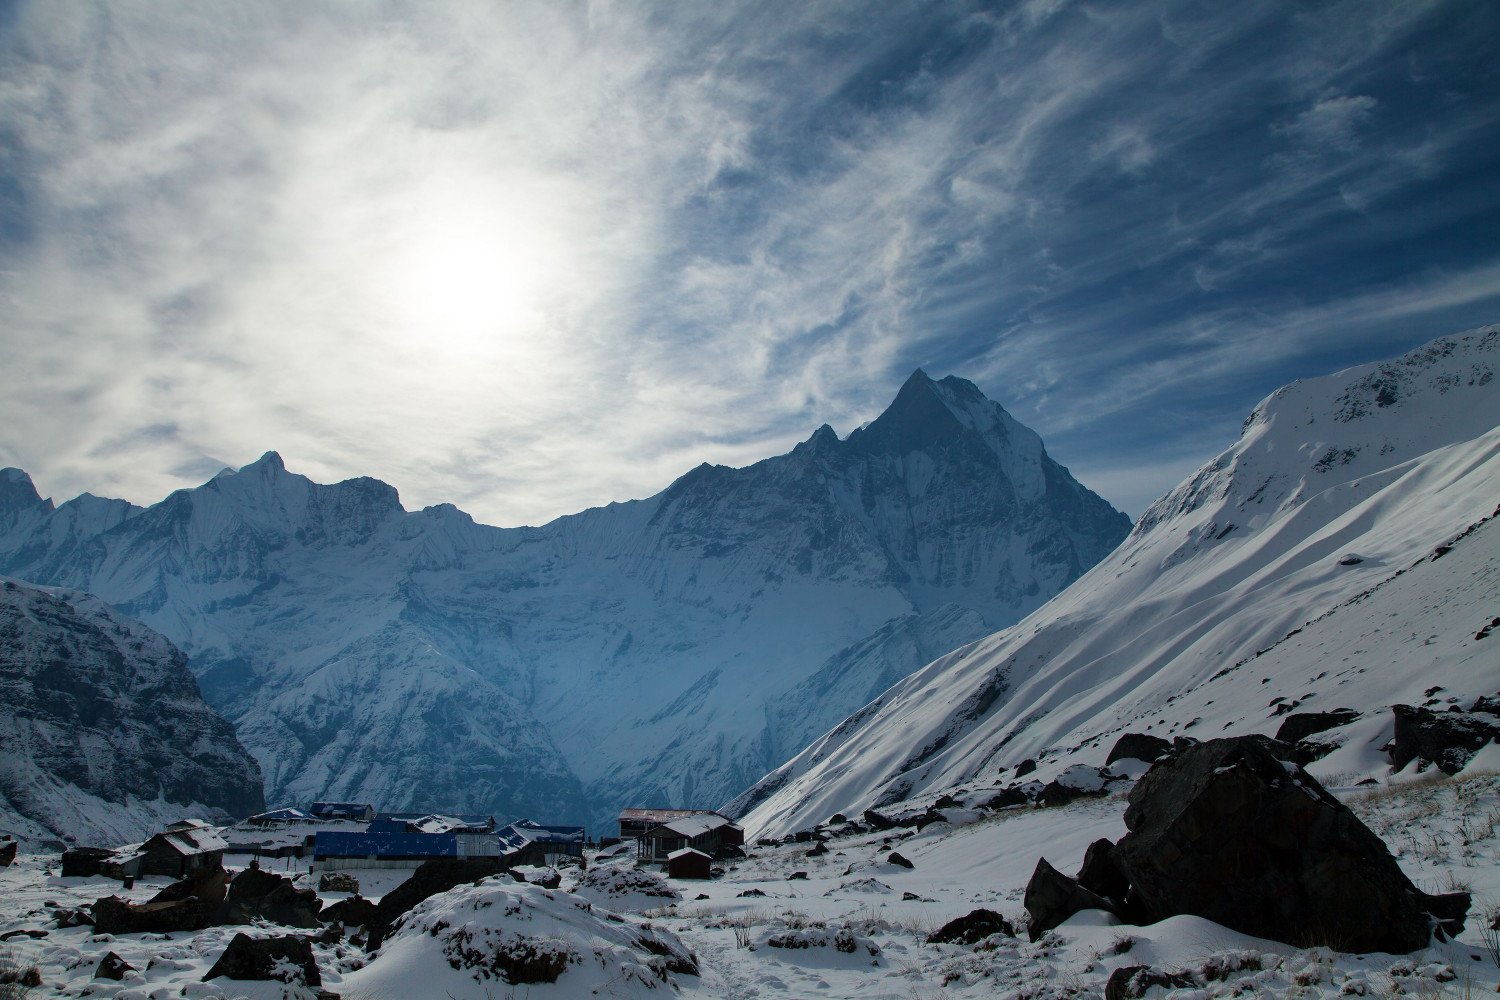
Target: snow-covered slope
{"points": [[1344, 553], [103, 735], [667, 651]]}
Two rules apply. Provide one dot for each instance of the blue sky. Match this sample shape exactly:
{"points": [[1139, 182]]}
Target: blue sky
{"points": [[534, 257]]}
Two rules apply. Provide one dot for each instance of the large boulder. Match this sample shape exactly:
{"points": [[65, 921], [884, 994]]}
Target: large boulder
{"points": [[1052, 897], [1446, 739], [207, 884], [1300, 725], [8, 852], [1228, 831], [428, 880], [256, 893], [1138, 746], [281, 959], [355, 911], [113, 915]]}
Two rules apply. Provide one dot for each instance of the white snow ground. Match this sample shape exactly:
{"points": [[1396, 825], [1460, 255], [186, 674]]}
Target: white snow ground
{"points": [[1445, 833]]}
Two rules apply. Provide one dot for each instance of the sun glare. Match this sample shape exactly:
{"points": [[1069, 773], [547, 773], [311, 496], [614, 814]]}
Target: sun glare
{"points": [[474, 270]]}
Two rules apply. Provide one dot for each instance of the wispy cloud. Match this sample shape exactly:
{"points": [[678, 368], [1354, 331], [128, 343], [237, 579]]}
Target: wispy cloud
{"points": [[536, 256]]}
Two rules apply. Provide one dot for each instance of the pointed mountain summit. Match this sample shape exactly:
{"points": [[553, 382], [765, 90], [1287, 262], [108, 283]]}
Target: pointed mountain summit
{"points": [[668, 650], [1341, 554]]}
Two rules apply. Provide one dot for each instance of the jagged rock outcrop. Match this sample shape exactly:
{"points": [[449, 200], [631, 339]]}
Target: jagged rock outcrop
{"points": [[100, 716], [287, 959], [1228, 831], [1445, 740]]}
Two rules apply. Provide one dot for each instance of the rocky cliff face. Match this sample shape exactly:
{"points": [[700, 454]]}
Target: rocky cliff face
{"points": [[102, 728], [662, 651]]}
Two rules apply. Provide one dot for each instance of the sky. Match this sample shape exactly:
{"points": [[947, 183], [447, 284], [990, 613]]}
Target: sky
{"points": [[530, 258]]}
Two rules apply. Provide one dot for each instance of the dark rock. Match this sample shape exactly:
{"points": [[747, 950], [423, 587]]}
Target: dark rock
{"points": [[876, 821], [268, 959], [750, 893], [1052, 897], [796, 876], [1012, 796], [1448, 910], [1138, 746], [113, 915], [910, 896], [34, 934], [900, 860], [925, 819], [818, 851], [549, 878], [1446, 739], [337, 882], [82, 862], [112, 966], [1228, 831], [68, 917], [207, 884], [1132, 982], [947, 802], [8, 852], [1101, 876], [971, 929], [1025, 767], [1300, 725], [1055, 793], [428, 880], [1484, 703], [356, 911], [256, 893]]}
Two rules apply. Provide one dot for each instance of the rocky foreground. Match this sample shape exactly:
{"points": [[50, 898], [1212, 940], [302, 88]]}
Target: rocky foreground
{"points": [[933, 906]]}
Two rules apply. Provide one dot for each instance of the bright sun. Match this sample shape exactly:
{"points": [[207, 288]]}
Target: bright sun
{"points": [[474, 269]]}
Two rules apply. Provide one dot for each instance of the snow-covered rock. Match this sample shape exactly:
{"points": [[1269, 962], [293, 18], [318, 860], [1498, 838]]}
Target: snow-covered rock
{"points": [[484, 939], [625, 888], [1231, 604], [103, 734], [420, 660]]}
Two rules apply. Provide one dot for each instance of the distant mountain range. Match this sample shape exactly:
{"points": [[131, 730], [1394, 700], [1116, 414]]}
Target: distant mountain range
{"points": [[667, 651], [103, 735], [1344, 553]]}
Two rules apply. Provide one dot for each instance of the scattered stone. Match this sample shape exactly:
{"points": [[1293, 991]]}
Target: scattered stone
{"points": [[750, 893], [1025, 767], [1227, 831], [1445, 739], [899, 860], [112, 966], [338, 882], [1138, 746], [286, 959], [69, 917], [971, 929], [1012, 796], [1052, 897], [1132, 982], [1300, 725]]}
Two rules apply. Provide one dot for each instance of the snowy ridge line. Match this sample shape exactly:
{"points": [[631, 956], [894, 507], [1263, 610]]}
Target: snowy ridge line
{"points": [[1143, 639]]}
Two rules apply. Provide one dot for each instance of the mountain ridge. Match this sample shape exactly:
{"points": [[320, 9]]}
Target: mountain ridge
{"points": [[1284, 551], [736, 584]]}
